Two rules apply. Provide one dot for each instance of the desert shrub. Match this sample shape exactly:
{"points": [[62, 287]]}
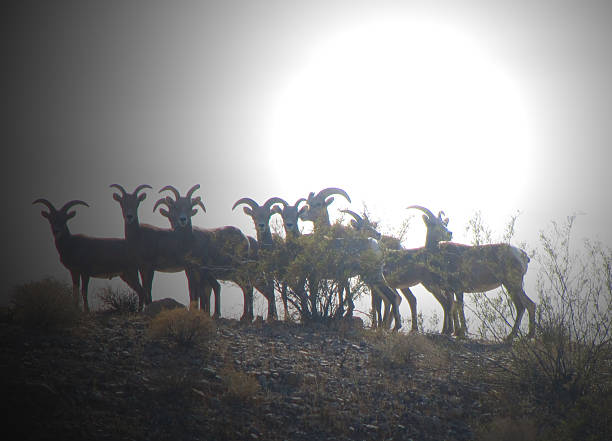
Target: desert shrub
{"points": [[45, 304], [568, 366], [122, 301], [183, 327], [239, 385], [314, 264]]}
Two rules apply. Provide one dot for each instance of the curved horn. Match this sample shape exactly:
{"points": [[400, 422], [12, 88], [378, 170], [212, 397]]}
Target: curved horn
{"points": [[323, 194], [274, 200], [140, 187], [299, 201], [120, 188], [358, 218], [424, 210], [247, 201], [159, 202], [198, 201], [440, 214], [191, 191], [45, 202], [72, 203], [177, 194]]}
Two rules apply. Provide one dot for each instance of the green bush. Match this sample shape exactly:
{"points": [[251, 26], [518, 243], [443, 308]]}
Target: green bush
{"points": [[44, 305], [183, 327]]}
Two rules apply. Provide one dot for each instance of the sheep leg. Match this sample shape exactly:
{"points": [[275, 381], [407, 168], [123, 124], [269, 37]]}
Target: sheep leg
{"points": [[269, 294], [376, 308], [520, 310], [458, 316], [216, 287], [193, 284], [284, 299], [84, 287], [146, 275], [131, 279], [247, 310], [412, 301], [76, 278], [349, 298]]}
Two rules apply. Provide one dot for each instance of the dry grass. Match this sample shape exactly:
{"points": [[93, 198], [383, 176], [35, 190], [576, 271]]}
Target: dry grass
{"points": [[183, 327], [406, 351], [45, 305], [240, 387]]}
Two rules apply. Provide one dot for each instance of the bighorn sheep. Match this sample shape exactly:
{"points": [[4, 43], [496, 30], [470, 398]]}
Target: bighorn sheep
{"points": [[290, 215], [480, 268], [87, 257], [405, 268], [378, 289], [220, 253], [153, 248], [317, 213], [263, 281]]}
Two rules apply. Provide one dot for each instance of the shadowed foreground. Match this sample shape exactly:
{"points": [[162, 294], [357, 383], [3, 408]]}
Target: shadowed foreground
{"points": [[107, 378]]}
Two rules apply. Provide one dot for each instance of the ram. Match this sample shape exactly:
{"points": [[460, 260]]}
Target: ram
{"points": [[481, 268], [380, 292], [263, 278], [405, 268], [157, 249], [222, 253], [86, 257], [290, 249]]}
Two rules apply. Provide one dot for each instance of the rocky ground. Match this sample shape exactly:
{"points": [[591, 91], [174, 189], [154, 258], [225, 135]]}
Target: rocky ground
{"points": [[107, 378]]}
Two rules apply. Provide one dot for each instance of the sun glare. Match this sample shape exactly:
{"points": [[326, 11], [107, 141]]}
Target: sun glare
{"points": [[396, 104]]}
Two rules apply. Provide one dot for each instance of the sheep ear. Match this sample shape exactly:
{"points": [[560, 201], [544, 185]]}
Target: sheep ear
{"points": [[142, 197], [276, 210], [248, 211], [117, 197], [354, 223], [164, 212], [426, 219], [194, 212], [45, 214], [70, 214], [302, 212], [329, 201]]}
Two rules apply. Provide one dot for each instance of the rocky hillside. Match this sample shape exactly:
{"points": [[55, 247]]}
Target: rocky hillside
{"points": [[107, 378]]}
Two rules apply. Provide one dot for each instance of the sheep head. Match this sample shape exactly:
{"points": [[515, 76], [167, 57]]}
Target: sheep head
{"points": [[129, 202], [260, 213], [181, 209], [437, 230], [290, 215], [363, 225], [58, 219], [317, 205]]}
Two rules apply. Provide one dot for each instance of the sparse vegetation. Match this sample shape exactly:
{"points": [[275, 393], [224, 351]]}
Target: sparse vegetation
{"points": [[46, 304], [562, 380], [240, 387], [183, 327], [121, 301]]}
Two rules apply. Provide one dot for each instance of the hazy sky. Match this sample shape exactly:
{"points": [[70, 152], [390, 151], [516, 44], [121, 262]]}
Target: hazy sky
{"points": [[457, 105]]}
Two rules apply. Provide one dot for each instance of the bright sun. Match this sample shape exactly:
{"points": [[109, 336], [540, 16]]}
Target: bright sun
{"points": [[414, 108]]}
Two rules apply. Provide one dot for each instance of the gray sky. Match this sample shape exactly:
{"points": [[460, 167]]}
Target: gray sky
{"points": [[186, 92]]}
